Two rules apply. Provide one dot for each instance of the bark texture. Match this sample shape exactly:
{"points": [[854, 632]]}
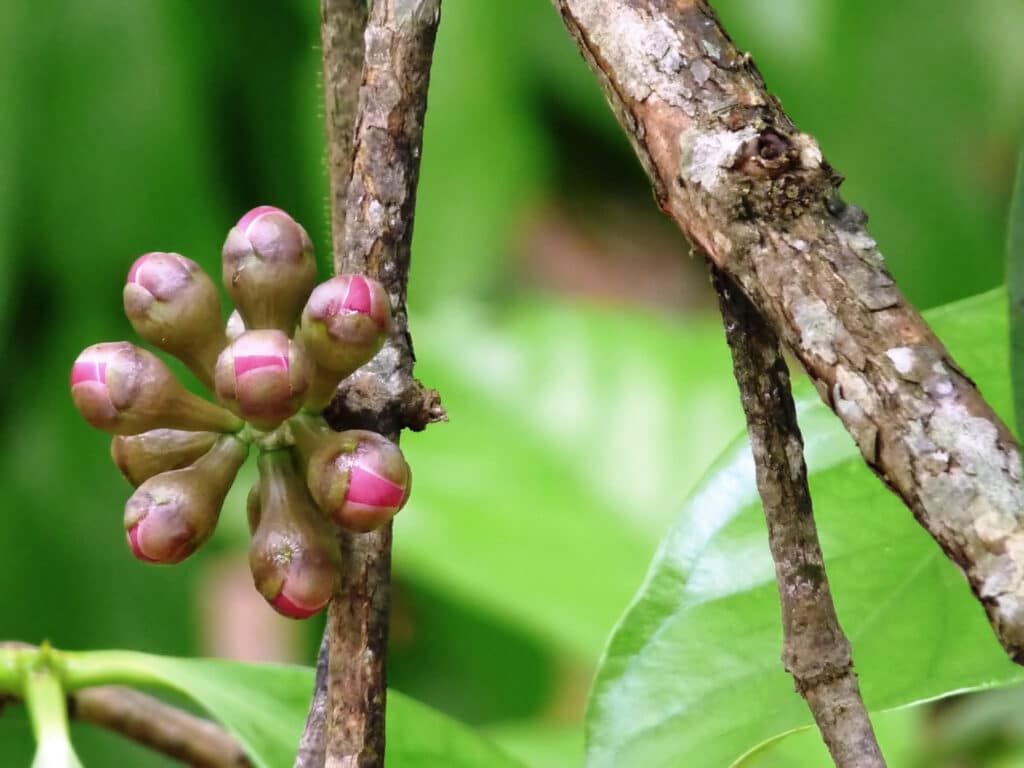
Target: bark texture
{"points": [[342, 23], [756, 194], [816, 651], [342, 26], [384, 396], [166, 729], [313, 745]]}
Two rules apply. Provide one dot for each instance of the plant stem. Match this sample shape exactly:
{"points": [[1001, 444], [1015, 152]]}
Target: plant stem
{"points": [[144, 719], [755, 193], [816, 651], [48, 712], [379, 199], [92, 668]]}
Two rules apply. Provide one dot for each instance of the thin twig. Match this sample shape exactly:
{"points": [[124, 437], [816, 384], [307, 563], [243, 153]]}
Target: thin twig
{"points": [[384, 396], [816, 651], [159, 726], [756, 195]]}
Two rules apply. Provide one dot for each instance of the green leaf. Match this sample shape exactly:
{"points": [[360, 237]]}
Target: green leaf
{"points": [[540, 744], [265, 707], [574, 434], [1015, 288], [692, 672], [421, 737]]}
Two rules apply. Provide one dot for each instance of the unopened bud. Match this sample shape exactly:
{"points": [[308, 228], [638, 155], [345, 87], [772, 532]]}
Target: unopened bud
{"points": [[294, 556], [263, 377], [173, 304], [344, 324], [123, 389], [172, 514], [359, 478], [269, 268], [139, 457]]}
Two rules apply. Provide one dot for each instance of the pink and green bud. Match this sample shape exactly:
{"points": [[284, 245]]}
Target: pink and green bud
{"points": [[269, 268], [294, 557], [123, 389], [172, 514], [344, 324], [235, 326], [175, 306], [140, 457], [263, 376], [358, 478]]}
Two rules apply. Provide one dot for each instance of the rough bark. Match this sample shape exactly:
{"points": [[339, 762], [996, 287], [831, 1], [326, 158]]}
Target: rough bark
{"points": [[342, 23], [313, 744], [384, 396], [755, 193], [816, 651], [161, 727], [342, 26]]}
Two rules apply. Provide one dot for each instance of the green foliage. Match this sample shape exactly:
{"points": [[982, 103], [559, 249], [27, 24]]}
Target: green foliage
{"points": [[692, 671], [1015, 289], [569, 448]]}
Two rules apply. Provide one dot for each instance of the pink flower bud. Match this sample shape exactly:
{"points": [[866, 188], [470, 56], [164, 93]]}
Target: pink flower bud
{"points": [[139, 457], [174, 305], [123, 389], [294, 556], [263, 377], [344, 324], [359, 478], [269, 268], [172, 514]]}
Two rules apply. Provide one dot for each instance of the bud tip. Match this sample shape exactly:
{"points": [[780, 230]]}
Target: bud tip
{"points": [[255, 213], [136, 544], [287, 607]]}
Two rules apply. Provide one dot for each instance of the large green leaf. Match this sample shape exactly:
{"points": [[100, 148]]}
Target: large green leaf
{"points": [[692, 672], [574, 434], [1015, 288], [265, 707]]}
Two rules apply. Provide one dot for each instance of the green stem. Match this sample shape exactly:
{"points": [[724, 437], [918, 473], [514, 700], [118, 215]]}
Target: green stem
{"points": [[48, 712], [12, 665], [91, 668]]}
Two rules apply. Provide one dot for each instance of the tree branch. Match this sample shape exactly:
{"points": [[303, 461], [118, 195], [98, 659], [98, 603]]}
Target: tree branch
{"points": [[159, 726], [384, 396], [816, 651], [313, 744], [753, 192], [342, 25]]}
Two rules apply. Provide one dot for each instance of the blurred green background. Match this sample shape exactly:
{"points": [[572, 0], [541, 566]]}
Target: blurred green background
{"points": [[570, 332]]}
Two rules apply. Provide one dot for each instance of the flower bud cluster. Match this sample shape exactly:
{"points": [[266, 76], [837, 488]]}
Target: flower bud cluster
{"points": [[272, 368]]}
